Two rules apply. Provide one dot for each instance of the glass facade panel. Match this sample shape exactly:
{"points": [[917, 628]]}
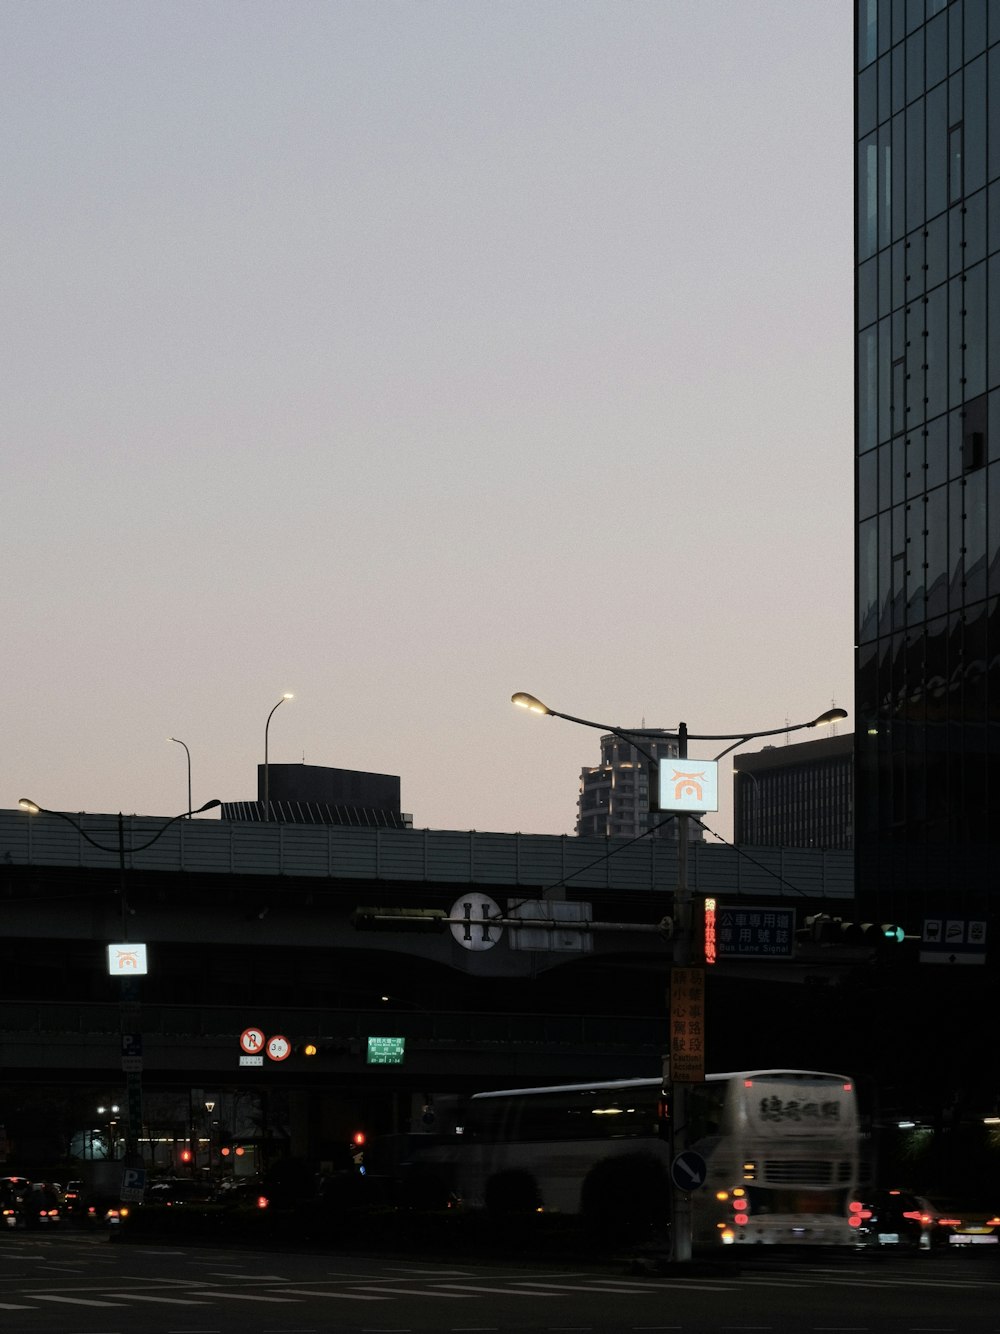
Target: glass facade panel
{"points": [[928, 471]]}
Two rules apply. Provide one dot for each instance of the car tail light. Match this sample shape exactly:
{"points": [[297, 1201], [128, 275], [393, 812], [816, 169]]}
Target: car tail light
{"points": [[262, 1201]]}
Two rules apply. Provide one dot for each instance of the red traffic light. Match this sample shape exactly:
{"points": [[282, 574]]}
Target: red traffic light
{"points": [[358, 1138], [186, 1155]]}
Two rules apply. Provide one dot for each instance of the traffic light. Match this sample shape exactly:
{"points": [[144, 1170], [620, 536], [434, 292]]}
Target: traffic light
{"points": [[822, 929], [185, 1155]]}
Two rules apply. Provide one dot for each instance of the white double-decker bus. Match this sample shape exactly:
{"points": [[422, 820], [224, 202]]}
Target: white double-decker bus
{"points": [[782, 1150]]}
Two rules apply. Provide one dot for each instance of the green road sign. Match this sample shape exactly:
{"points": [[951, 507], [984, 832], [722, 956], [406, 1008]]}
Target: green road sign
{"points": [[386, 1051]]}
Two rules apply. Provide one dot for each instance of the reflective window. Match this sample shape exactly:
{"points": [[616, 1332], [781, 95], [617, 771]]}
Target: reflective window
{"points": [[937, 452], [936, 555], [937, 150], [935, 351], [868, 484], [868, 389], [915, 65], [974, 332], [955, 140], [915, 211], [867, 197], [937, 50], [868, 100], [868, 293], [936, 251], [867, 32], [974, 118], [974, 536]]}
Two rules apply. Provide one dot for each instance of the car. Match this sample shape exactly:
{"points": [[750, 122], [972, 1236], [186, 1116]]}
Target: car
{"points": [[178, 1190], [969, 1227], [29, 1204], [897, 1218], [12, 1192], [73, 1198]]}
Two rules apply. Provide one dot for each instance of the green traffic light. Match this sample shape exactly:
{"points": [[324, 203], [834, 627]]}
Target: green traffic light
{"points": [[894, 933]]}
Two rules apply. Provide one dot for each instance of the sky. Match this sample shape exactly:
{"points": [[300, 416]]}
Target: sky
{"points": [[404, 354]]}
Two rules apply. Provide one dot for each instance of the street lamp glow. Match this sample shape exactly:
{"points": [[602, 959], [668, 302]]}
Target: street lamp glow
{"points": [[831, 716], [525, 701]]}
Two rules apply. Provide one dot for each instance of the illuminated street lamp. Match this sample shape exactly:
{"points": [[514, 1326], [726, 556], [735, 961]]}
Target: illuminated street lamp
{"points": [[680, 1208], [267, 726]]}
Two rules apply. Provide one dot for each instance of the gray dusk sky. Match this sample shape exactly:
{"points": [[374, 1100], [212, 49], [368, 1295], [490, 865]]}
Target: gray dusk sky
{"points": [[407, 353]]}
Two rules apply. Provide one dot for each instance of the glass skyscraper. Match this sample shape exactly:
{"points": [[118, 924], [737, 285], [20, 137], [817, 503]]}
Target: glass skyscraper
{"points": [[927, 130]]}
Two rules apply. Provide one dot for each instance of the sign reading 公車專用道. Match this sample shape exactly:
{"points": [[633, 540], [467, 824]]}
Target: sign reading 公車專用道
{"points": [[688, 785], [750, 932]]}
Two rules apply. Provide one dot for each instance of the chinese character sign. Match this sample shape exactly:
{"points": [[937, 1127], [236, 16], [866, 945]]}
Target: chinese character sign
{"points": [[689, 785], [755, 932], [687, 1025]]}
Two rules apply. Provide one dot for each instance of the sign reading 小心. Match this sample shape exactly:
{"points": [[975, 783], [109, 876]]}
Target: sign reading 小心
{"points": [[386, 1051], [687, 1025]]}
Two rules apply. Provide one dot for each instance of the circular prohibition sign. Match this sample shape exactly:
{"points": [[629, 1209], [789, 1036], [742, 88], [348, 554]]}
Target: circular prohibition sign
{"points": [[278, 1048], [251, 1040]]}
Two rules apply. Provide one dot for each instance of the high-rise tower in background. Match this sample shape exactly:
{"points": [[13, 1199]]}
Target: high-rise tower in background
{"points": [[927, 130], [615, 794]]}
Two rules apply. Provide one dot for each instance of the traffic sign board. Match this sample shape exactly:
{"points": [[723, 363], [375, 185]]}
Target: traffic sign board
{"points": [[953, 940], [278, 1048], [688, 1170], [252, 1040]]}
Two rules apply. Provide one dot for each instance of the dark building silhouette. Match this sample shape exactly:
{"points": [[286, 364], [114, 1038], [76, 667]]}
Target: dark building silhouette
{"points": [[927, 128], [316, 794], [795, 796]]}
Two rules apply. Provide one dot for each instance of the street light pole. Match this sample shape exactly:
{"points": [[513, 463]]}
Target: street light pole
{"points": [[682, 951], [188, 754], [267, 728], [129, 1000]]}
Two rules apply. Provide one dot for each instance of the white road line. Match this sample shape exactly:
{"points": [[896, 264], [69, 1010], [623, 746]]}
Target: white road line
{"points": [[13, 1306], [146, 1297], [72, 1301], [504, 1292], [248, 1296], [407, 1292], [317, 1292]]}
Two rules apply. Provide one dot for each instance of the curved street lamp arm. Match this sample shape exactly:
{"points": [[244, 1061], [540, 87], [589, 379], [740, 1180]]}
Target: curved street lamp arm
{"points": [[33, 808], [522, 700]]}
